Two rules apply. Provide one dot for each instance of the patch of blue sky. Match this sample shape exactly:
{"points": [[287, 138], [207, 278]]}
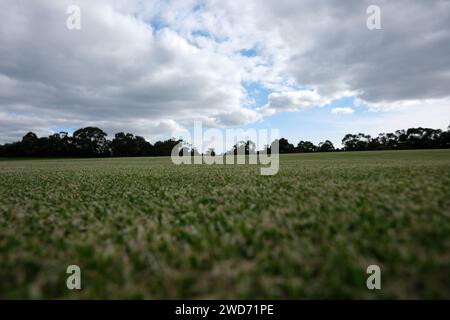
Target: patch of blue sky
{"points": [[201, 33], [157, 24], [316, 124], [62, 129], [257, 93], [248, 53], [345, 102], [198, 6], [206, 34]]}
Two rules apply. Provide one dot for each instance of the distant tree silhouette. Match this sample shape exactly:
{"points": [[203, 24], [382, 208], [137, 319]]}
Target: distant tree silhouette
{"points": [[444, 139], [250, 147], [29, 145], [326, 146], [127, 145], [210, 152], [164, 148], [413, 138], [356, 142], [93, 142], [285, 147], [306, 147], [194, 152]]}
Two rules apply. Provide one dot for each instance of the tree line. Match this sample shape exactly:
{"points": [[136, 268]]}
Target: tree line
{"points": [[413, 138], [86, 142], [93, 142]]}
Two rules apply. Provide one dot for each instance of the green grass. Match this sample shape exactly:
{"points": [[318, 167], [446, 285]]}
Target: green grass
{"points": [[144, 228]]}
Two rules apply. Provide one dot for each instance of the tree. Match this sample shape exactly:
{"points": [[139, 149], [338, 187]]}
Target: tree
{"points": [[164, 148], [326, 146], [29, 145], [120, 145], [250, 147], [356, 142], [211, 152], [195, 153], [91, 142], [306, 147], [444, 139], [57, 144], [285, 147], [127, 145]]}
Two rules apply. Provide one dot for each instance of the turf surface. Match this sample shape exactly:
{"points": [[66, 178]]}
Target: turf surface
{"points": [[144, 228]]}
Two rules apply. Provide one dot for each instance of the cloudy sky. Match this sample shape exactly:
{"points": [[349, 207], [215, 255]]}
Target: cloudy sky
{"points": [[309, 68]]}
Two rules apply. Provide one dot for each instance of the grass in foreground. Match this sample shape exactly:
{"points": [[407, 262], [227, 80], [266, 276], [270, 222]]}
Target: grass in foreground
{"points": [[144, 228]]}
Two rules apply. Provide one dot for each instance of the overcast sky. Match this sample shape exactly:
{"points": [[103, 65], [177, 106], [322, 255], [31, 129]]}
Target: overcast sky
{"points": [[309, 68]]}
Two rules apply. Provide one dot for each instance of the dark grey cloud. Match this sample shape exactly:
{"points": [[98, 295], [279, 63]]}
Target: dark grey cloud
{"points": [[331, 48]]}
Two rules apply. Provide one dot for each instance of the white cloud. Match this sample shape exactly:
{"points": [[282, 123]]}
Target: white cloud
{"points": [[116, 72], [326, 46], [342, 110], [290, 101]]}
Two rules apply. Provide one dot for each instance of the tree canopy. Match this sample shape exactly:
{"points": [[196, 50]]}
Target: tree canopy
{"points": [[93, 142]]}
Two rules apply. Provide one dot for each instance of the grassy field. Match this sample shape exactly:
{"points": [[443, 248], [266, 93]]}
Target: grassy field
{"points": [[144, 228]]}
